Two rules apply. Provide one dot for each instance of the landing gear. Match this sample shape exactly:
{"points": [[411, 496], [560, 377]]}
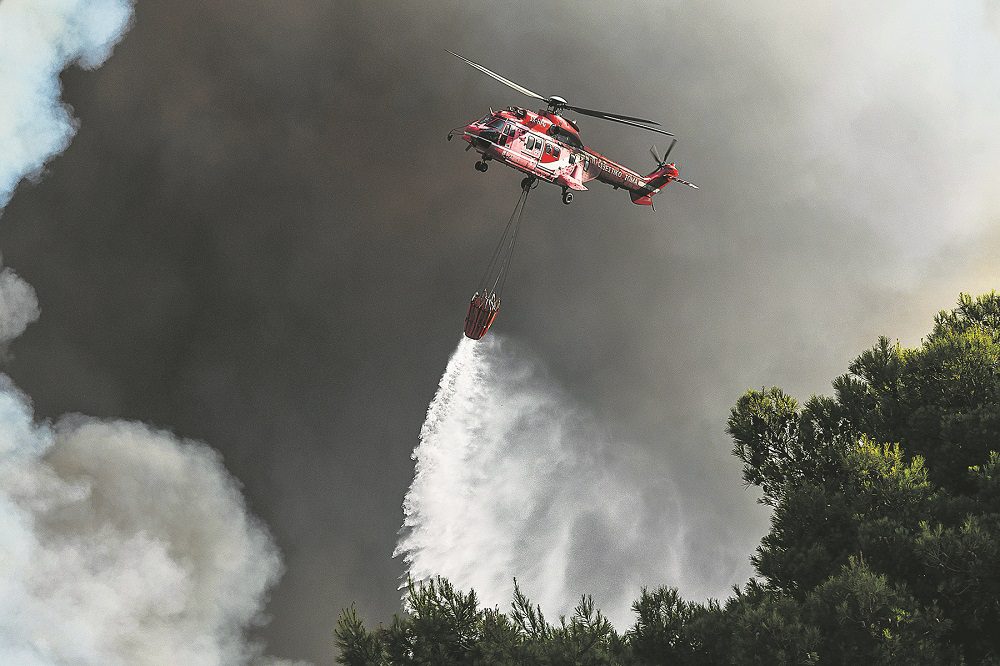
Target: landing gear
{"points": [[567, 197], [528, 183], [482, 166]]}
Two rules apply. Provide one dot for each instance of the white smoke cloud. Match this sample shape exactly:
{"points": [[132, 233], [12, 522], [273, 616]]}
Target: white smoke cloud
{"points": [[18, 306], [38, 39], [122, 545], [512, 480], [119, 544]]}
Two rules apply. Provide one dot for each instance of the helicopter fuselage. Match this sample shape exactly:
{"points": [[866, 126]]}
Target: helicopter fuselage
{"points": [[547, 146]]}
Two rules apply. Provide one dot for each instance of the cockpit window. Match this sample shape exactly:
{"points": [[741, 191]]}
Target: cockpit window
{"points": [[498, 123]]}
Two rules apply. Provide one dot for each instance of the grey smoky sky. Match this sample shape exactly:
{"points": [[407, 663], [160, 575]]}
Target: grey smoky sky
{"points": [[260, 239]]}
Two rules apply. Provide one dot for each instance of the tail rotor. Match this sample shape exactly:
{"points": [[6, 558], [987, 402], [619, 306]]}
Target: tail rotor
{"points": [[662, 162]]}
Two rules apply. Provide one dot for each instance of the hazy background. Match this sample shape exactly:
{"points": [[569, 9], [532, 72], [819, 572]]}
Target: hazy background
{"points": [[260, 239]]}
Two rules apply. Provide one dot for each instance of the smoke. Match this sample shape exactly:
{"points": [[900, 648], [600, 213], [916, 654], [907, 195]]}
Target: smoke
{"points": [[119, 544], [123, 545], [512, 480], [38, 39], [18, 306]]}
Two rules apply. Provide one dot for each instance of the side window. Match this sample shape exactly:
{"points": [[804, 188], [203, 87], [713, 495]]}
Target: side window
{"points": [[555, 151], [548, 149], [572, 158]]}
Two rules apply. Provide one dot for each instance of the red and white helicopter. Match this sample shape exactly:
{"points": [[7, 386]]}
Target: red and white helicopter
{"points": [[547, 146]]}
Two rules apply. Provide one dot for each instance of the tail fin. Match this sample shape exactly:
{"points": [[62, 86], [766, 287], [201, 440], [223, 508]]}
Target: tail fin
{"points": [[652, 184]]}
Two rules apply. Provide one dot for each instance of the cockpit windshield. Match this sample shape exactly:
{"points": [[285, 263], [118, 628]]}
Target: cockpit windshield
{"points": [[493, 129]]}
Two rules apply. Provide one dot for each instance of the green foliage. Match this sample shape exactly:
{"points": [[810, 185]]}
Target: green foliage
{"points": [[903, 478], [358, 646], [863, 618], [443, 626], [884, 545], [659, 634], [767, 628]]}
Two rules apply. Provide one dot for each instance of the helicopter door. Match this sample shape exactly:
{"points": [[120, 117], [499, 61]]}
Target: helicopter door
{"points": [[533, 149], [549, 159]]}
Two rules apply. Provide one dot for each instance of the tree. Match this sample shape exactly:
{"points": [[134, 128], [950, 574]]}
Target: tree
{"points": [[898, 471], [443, 626], [358, 646], [660, 632]]}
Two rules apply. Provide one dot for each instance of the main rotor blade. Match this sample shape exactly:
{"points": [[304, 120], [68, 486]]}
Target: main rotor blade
{"points": [[507, 82], [655, 154], [608, 116], [614, 117], [627, 122]]}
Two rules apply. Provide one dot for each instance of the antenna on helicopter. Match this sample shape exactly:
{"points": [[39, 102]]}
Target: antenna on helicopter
{"points": [[556, 103]]}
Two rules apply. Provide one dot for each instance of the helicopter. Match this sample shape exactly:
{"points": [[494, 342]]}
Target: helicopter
{"points": [[547, 147]]}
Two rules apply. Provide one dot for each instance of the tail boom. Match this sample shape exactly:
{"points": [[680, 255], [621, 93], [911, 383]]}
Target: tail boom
{"points": [[652, 184]]}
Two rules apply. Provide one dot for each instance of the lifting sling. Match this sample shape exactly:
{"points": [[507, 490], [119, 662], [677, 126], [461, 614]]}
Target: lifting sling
{"points": [[486, 302]]}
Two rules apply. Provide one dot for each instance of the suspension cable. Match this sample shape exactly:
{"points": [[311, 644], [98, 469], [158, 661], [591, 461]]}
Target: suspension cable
{"points": [[505, 271], [499, 259]]}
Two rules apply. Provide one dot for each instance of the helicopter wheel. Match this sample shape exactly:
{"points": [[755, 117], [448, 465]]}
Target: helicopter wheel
{"points": [[527, 183], [482, 166], [567, 197]]}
